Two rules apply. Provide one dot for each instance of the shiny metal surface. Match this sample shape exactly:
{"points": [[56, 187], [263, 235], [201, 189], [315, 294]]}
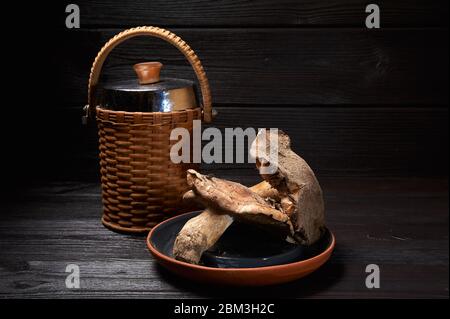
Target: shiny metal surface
{"points": [[164, 96]]}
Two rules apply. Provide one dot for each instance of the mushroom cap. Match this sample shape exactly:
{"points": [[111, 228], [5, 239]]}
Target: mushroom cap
{"points": [[238, 201]]}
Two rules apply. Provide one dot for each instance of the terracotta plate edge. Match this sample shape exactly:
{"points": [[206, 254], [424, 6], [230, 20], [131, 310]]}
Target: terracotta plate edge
{"points": [[325, 254]]}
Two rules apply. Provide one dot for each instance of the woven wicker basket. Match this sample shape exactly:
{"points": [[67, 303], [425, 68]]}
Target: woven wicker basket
{"points": [[141, 186]]}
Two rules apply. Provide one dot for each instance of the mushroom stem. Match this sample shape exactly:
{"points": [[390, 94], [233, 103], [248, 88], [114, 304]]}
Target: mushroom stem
{"points": [[202, 232]]}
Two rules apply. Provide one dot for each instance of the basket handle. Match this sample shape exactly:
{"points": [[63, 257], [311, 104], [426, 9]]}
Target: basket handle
{"points": [[163, 34]]}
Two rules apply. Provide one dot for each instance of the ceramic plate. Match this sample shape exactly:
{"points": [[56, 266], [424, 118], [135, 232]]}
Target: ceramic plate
{"points": [[244, 255]]}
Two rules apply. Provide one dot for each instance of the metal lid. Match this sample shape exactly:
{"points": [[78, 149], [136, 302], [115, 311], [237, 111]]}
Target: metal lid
{"points": [[148, 93]]}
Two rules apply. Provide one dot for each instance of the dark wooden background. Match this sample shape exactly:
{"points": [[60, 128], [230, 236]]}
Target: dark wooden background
{"points": [[361, 106], [355, 101]]}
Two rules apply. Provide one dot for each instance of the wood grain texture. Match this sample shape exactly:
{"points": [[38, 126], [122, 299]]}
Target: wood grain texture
{"points": [[108, 13], [357, 103], [335, 141], [399, 224], [354, 141], [279, 66]]}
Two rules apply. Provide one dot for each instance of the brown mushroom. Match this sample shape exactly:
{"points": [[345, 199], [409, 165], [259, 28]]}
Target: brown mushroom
{"points": [[289, 201]]}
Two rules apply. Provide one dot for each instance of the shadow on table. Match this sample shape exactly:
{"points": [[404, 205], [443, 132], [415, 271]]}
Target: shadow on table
{"points": [[314, 284]]}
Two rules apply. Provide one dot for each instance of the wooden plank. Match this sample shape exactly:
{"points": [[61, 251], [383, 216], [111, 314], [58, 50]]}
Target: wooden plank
{"points": [[260, 13], [275, 66], [336, 141], [399, 224], [353, 141]]}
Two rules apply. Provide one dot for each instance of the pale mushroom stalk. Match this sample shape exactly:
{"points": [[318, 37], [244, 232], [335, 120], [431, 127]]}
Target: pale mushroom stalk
{"points": [[202, 232], [289, 201]]}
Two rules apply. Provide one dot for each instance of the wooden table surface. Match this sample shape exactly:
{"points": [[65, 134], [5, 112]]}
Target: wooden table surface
{"points": [[400, 224]]}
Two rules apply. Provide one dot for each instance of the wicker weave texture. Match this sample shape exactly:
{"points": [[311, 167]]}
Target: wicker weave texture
{"points": [[141, 186]]}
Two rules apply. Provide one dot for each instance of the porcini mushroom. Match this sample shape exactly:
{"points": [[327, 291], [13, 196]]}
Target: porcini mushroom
{"points": [[289, 200]]}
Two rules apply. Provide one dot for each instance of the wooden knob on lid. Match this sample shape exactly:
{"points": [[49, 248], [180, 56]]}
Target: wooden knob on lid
{"points": [[148, 72]]}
